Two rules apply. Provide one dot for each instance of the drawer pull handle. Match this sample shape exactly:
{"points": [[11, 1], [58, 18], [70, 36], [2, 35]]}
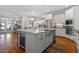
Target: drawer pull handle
{"points": [[41, 38]]}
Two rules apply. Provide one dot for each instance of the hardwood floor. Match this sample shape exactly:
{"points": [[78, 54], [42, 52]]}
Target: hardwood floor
{"points": [[70, 46], [8, 43], [62, 45]]}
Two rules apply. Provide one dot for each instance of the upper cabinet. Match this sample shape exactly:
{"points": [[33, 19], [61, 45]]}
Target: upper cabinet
{"points": [[59, 18], [73, 14], [76, 17], [69, 14]]}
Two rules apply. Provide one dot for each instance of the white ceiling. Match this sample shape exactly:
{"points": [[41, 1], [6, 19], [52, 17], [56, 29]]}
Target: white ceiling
{"points": [[10, 10]]}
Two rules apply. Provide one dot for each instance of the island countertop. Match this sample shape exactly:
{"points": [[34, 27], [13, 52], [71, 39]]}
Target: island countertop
{"points": [[35, 31]]}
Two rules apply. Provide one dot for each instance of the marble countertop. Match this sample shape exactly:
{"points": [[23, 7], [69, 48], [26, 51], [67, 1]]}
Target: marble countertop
{"points": [[36, 30], [49, 28]]}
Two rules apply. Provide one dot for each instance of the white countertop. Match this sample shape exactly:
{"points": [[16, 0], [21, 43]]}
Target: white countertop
{"points": [[32, 30], [35, 30], [49, 28]]}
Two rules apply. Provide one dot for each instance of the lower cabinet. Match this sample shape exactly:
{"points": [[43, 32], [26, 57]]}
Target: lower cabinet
{"points": [[77, 42], [37, 43], [40, 42], [60, 32], [49, 38]]}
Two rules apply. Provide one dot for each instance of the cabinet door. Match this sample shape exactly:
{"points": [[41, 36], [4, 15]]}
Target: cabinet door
{"points": [[76, 17], [47, 41], [76, 39], [30, 43], [40, 42], [49, 38], [59, 18], [60, 32], [52, 37], [69, 14]]}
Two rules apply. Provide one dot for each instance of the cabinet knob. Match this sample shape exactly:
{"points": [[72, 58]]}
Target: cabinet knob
{"points": [[41, 38]]}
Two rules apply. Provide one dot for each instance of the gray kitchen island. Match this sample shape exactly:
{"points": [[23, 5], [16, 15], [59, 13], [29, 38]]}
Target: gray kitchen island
{"points": [[36, 40]]}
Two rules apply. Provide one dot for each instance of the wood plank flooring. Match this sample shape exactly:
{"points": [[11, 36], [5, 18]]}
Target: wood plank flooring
{"points": [[62, 45], [70, 46], [8, 44]]}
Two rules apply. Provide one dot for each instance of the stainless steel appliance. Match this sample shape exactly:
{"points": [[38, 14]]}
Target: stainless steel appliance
{"points": [[69, 22], [69, 28]]}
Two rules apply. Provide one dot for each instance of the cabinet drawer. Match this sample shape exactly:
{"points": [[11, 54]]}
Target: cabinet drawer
{"points": [[41, 35]]}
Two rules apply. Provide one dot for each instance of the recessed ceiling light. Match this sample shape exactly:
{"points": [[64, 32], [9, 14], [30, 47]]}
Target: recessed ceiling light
{"points": [[33, 12], [13, 10]]}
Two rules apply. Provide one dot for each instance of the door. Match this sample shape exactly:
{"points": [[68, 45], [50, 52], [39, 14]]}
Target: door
{"points": [[5, 25], [8, 25], [2, 26]]}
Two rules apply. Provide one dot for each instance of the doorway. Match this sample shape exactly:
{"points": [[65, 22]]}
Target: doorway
{"points": [[5, 25]]}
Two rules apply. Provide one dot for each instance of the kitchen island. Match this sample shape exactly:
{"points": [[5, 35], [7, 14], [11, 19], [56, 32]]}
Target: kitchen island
{"points": [[36, 40]]}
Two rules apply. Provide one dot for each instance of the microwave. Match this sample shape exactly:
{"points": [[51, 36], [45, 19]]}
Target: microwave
{"points": [[68, 22]]}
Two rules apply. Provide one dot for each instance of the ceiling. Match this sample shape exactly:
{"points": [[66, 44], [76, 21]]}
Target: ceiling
{"points": [[10, 10]]}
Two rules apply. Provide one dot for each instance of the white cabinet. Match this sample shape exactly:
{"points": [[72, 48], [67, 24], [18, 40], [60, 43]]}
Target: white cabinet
{"points": [[40, 42], [73, 14], [59, 18], [60, 32], [30, 43], [49, 38], [37, 43], [76, 17], [77, 42], [69, 14]]}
